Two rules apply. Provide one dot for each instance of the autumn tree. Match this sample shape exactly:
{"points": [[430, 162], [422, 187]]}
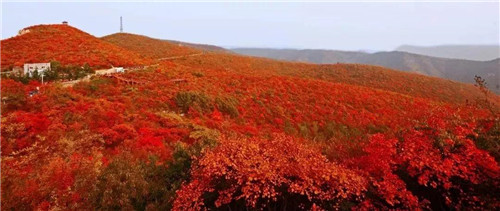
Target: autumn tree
{"points": [[279, 173], [432, 167]]}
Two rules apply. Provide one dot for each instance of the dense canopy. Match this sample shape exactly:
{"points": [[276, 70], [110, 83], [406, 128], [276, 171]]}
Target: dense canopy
{"points": [[223, 131]]}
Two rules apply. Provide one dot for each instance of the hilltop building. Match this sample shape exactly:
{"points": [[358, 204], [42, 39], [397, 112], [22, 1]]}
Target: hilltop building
{"points": [[40, 67], [65, 22], [23, 31]]}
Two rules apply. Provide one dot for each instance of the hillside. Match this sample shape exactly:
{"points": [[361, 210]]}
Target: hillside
{"points": [[375, 77], [365, 75], [150, 47], [467, 52], [204, 47], [411, 84], [225, 131], [454, 69], [66, 44]]}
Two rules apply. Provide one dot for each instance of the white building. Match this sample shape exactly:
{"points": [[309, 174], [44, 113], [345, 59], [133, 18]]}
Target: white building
{"points": [[41, 67], [119, 70], [23, 31]]}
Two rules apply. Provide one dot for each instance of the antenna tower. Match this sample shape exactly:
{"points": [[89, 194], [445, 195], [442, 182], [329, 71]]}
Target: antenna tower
{"points": [[121, 24]]}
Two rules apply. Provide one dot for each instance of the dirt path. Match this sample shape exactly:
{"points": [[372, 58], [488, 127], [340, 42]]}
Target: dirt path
{"points": [[87, 78], [112, 70]]}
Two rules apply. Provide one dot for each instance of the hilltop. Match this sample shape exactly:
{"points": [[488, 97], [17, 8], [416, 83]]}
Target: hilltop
{"points": [[454, 69], [66, 44], [158, 48], [204, 47], [150, 47]]}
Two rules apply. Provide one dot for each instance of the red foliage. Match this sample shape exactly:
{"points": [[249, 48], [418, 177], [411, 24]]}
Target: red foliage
{"points": [[68, 45], [118, 134], [23, 130], [152, 141], [149, 47], [428, 165], [356, 135]]}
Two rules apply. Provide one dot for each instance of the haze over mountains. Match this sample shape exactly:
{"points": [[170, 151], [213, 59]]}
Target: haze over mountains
{"points": [[454, 69], [468, 52]]}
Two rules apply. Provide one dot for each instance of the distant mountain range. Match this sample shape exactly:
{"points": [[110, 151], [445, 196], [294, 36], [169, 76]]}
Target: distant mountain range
{"points": [[454, 69], [469, 52]]}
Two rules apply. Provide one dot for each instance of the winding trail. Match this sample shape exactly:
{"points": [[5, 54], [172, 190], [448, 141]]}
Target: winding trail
{"points": [[110, 72], [87, 78]]}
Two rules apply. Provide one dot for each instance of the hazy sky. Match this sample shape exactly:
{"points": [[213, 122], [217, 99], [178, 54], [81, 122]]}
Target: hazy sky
{"points": [[343, 26]]}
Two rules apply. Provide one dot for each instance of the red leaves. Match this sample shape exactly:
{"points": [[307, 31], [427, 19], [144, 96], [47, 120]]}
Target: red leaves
{"points": [[60, 175], [152, 141], [420, 144], [148, 138], [118, 134], [152, 48], [430, 158], [217, 115], [45, 206], [23, 130], [33, 123], [378, 164], [67, 45]]}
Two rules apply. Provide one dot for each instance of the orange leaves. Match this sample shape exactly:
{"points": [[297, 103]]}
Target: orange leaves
{"points": [[60, 175], [261, 172]]}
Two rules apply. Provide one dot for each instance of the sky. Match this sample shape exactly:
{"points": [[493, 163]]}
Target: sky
{"points": [[338, 26]]}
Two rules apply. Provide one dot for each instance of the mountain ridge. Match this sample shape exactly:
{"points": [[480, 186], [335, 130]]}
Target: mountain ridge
{"points": [[467, 52], [454, 69]]}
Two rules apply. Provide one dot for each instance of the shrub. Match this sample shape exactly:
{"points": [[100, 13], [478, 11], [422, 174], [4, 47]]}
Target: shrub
{"points": [[195, 100], [198, 74], [489, 137], [148, 184], [429, 168], [118, 133], [278, 174], [165, 179], [228, 105], [121, 185], [13, 95]]}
